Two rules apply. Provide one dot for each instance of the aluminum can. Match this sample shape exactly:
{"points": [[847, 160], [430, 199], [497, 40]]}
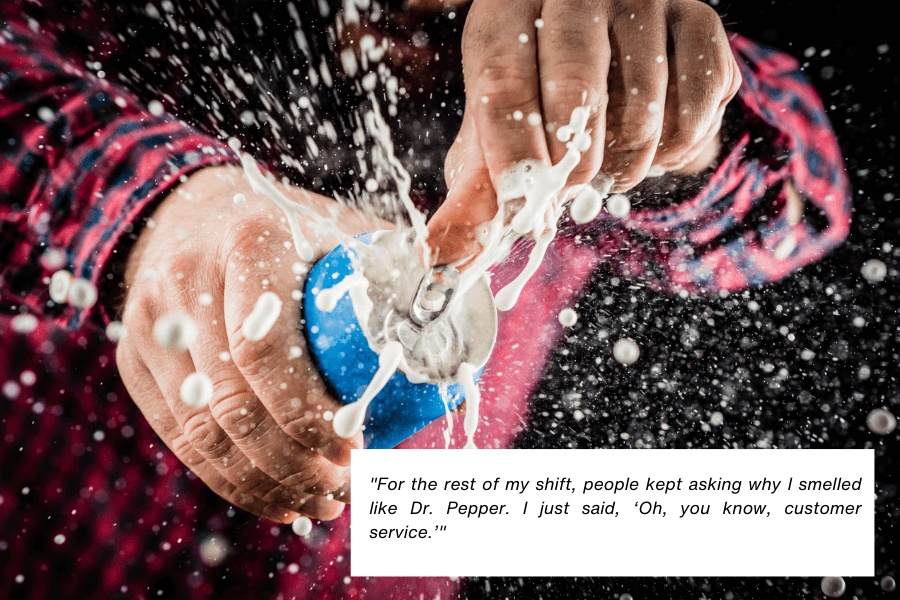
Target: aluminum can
{"points": [[345, 350]]}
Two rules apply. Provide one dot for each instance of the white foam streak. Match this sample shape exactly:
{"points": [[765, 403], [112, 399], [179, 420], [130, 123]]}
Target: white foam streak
{"points": [[326, 300], [466, 377], [543, 188], [378, 129], [445, 398], [263, 316], [349, 418], [507, 297], [261, 185]]}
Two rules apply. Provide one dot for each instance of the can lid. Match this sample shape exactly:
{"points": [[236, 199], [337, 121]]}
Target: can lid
{"points": [[439, 326], [433, 295]]}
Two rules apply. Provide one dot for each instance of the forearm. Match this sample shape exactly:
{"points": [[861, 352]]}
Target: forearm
{"points": [[746, 221], [83, 162]]}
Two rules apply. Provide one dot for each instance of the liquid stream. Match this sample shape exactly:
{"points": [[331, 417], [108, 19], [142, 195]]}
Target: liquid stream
{"points": [[530, 201]]}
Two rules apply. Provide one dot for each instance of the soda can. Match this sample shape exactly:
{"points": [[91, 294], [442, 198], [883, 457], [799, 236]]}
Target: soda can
{"points": [[344, 341]]}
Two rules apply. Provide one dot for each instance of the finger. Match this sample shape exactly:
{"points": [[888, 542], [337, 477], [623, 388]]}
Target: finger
{"points": [[573, 62], [502, 91], [471, 201], [637, 95], [169, 368], [701, 82], [147, 396], [290, 389], [215, 481], [247, 422], [699, 157]]}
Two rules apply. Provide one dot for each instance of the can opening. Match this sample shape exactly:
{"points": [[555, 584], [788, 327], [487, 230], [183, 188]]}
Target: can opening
{"points": [[433, 295]]}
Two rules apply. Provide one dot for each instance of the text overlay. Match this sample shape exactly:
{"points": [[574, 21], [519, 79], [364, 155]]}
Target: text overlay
{"points": [[730, 513]]}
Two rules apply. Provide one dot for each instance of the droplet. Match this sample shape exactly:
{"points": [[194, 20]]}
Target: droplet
{"points": [[11, 390], [196, 390], [302, 526], [115, 331], [874, 270], [155, 107], [263, 316], [881, 421], [59, 286], [568, 317], [214, 550], [240, 199], [45, 114], [833, 587], [82, 293], [626, 351], [618, 205], [586, 205], [175, 330], [24, 323]]}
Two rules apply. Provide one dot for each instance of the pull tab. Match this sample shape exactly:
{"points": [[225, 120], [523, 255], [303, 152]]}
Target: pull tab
{"points": [[433, 295]]}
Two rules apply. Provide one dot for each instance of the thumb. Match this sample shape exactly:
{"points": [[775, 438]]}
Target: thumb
{"points": [[471, 201]]}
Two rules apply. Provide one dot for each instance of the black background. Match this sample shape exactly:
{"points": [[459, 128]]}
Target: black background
{"points": [[820, 403]]}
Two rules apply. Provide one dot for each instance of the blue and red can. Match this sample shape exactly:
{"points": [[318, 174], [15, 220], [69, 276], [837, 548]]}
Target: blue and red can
{"points": [[344, 341]]}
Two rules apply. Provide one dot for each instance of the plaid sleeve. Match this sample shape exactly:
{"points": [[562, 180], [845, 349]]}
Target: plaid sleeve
{"points": [[80, 162], [736, 232]]}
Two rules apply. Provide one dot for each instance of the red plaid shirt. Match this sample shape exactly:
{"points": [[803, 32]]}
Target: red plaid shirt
{"points": [[90, 495]]}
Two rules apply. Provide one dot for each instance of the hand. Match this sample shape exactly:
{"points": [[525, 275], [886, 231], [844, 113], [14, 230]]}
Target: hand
{"points": [[656, 74], [261, 442]]}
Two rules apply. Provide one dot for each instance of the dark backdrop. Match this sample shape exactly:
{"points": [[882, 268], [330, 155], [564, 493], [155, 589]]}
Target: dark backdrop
{"points": [[719, 354]]}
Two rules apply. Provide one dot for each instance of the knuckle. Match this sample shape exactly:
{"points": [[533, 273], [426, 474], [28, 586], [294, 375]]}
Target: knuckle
{"points": [[269, 491], [175, 272], [504, 81], [255, 359], [244, 240], [181, 447], [736, 80], [310, 479], [635, 135], [705, 17], [686, 134], [238, 414], [206, 437], [141, 309], [572, 87], [302, 425]]}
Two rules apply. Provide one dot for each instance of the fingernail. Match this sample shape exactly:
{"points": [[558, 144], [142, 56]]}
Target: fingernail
{"points": [[322, 508]]}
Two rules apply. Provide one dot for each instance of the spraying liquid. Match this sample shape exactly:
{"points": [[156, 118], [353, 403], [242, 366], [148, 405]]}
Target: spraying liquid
{"points": [[544, 191], [349, 418], [473, 398], [530, 201], [326, 300], [448, 431]]}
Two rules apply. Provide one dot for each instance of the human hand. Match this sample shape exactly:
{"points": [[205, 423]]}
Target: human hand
{"points": [[261, 442], [656, 76]]}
